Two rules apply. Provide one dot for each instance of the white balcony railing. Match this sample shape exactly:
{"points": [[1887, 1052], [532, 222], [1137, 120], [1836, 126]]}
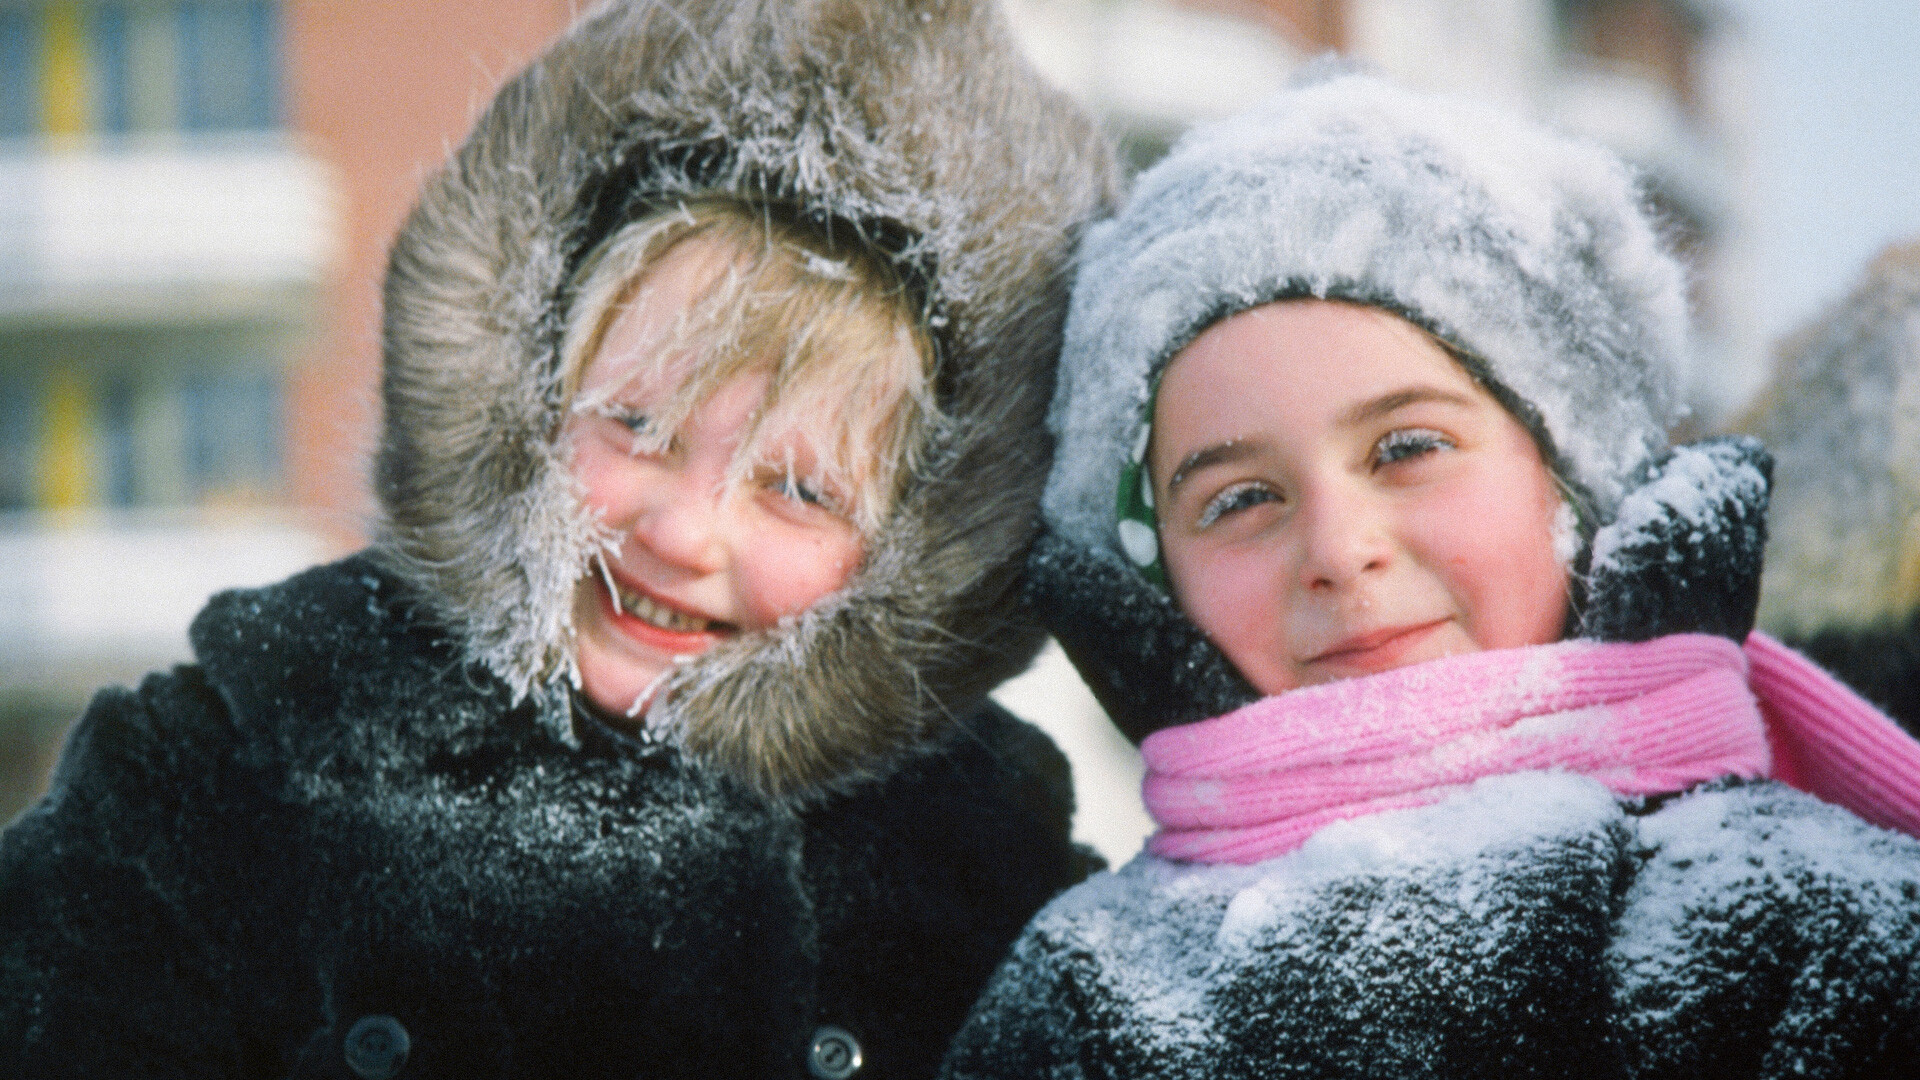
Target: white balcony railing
{"points": [[105, 596], [1151, 61], [93, 230]]}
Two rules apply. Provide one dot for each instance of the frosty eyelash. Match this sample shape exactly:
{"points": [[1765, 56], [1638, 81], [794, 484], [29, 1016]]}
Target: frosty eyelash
{"points": [[633, 420], [1403, 443], [787, 485], [799, 491], [1241, 496]]}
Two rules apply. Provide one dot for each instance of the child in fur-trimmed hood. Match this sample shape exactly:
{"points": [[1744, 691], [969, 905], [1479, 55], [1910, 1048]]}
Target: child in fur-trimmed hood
{"points": [[649, 737], [1363, 521]]}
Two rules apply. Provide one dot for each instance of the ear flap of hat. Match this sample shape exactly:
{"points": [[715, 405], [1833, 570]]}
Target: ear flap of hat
{"points": [[1148, 665]]}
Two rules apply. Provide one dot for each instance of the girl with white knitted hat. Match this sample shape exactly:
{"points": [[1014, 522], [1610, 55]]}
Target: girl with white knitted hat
{"points": [[1464, 759]]}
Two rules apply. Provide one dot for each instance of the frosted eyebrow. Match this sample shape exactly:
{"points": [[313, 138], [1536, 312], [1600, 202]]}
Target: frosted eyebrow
{"points": [[1400, 399], [1218, 454]]}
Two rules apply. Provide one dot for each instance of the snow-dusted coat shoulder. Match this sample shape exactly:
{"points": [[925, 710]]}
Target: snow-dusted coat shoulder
{"points": [[371, 833], [1531, 927]]}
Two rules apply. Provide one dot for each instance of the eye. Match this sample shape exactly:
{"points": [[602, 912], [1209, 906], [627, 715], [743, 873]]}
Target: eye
{"points": [[1242, 496], [1402, 444], [631, 419], [798, 490]]}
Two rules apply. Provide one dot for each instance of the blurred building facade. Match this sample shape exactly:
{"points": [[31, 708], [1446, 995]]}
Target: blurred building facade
{"points": [[195, 201]]}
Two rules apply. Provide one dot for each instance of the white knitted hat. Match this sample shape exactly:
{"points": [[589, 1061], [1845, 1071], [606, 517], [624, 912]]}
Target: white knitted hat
{"points": [[1524, 249]]}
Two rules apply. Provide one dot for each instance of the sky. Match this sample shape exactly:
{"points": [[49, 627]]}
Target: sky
{"points": [[1836, 145]]}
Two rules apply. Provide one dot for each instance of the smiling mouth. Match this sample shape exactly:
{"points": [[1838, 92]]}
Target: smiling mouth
{"points": [[658, 615], [1364, 646]]}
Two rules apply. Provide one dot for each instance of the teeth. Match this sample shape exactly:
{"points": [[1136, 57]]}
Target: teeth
{"points": [[665, 618]]}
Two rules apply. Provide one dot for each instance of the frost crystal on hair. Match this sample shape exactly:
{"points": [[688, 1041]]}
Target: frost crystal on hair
{"points": [[1566, 534], [820, 266]]}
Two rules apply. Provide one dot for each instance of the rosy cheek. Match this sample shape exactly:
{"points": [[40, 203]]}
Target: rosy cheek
{"points": [[787, 575], [1513, 586], [1235, 601], [607, 478]]}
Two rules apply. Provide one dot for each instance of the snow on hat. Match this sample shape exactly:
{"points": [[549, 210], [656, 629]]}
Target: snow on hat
{"points": [[1525, 251]]}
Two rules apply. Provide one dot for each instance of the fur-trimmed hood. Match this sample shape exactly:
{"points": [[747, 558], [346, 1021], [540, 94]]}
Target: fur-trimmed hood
{"points": [[916, 125]]}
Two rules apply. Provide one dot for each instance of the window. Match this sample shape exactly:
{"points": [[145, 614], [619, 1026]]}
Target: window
{"points": [[19, 72], [18, 412], [233, 436], [111, 95], [229, 66], [114, 66], [74, 436]]}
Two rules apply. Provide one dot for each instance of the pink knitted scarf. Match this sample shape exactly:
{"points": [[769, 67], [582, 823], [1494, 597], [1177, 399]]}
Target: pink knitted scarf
{"points": [[1643, 719]]}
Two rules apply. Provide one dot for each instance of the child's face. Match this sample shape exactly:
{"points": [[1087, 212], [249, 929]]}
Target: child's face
{"points": [[1337, 497], [701, 558]]}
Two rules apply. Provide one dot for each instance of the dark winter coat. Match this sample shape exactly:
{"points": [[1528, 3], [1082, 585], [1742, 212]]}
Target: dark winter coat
{"points": [[1881, 660], [373, 827], [1536, 926], [331, 818]]}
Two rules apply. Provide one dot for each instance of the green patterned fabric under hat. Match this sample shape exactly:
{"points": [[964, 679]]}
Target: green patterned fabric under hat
{"points": [[1138, 525]]}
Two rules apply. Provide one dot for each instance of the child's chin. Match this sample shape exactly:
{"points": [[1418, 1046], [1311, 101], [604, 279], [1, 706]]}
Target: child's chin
{"points": [[1435, 642], [616, 684]]}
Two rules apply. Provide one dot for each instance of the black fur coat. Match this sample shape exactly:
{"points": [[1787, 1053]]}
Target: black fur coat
{"points": [[1534, 927], [332, 821]]}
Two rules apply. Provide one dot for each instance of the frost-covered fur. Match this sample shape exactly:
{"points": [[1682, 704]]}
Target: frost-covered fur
{"points": [[1528, 250], [1532, 926], [912, 125], [1842, 416]]}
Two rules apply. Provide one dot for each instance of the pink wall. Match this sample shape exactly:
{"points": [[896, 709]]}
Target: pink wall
{"points": [[381, 89]]}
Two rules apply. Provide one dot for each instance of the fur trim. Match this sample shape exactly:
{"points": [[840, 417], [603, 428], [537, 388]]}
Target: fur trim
{"points": [[1842, 416], [913, 123], [1528, 250]]}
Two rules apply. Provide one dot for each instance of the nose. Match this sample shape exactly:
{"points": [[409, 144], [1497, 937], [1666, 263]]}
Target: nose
{"points": [[1344, 538], [681, 525]]}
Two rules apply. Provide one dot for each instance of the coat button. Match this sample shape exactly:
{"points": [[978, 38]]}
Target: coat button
{"points": [[835, 1054], [376, 1047]]}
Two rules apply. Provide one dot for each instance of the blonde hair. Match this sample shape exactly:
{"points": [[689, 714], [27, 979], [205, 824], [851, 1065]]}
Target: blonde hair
{"points": [[849, 364]]}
